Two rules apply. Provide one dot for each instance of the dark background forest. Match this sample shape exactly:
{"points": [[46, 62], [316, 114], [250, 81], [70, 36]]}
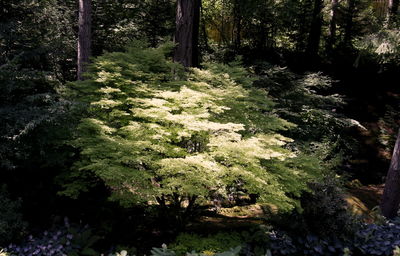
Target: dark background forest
{"points": [[216, 127]]}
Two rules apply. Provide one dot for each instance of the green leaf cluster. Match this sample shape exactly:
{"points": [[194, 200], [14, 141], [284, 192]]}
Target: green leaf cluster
{"points": [[153, 132], [210, 245]]}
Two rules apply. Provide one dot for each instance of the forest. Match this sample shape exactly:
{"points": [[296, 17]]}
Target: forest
{"points": [[199, 127]]}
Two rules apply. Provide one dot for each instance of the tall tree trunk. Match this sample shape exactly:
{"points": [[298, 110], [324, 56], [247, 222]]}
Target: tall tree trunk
{"points": [[301, 41], [393, 7], [84, 35], [315, 32], [187, 32], [237, 25], [332, 27], [348, 29], [391, 194]]}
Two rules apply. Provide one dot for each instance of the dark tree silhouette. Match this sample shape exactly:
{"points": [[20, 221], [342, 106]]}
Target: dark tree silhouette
{"points": [[187, 32], [84, 36], [315, 31]]}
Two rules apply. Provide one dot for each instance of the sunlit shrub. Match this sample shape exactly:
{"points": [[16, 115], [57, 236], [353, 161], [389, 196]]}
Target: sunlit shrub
{"points": [[155, 134], [211, 244]]}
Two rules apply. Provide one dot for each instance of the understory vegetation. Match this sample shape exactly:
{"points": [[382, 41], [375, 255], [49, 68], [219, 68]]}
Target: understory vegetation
{"points": [[243, 128]]}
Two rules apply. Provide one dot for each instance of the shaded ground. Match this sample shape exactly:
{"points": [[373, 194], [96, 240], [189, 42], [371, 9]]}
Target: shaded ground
{"points": [[364, 201]]}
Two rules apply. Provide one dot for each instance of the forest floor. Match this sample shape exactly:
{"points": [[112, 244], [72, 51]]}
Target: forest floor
{"points": [[364, 201]]}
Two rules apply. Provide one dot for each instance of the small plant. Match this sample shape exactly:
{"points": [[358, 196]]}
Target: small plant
{"points": [[3, 253], [164, 251], [122, 253], [373, 239], [207, 245], [396, 251]]}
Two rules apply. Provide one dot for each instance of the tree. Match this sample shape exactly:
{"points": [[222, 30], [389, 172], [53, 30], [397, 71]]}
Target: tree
{"points": [[314, 37], [332, 26], [393, 7], [237, 24], [187, 32], [84, 36], [349, 23], [391, 194]]}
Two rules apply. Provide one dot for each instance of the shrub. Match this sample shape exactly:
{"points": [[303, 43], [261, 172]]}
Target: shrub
{"points": [[211, 245], [374, 239], [164, 251], [155, 134], [325, 210], [11, 223], [305, 100]]}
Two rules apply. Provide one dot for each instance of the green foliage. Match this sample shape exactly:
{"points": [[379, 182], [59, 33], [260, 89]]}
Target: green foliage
{"points": [[164, 251], [150, 135], [210, 245], [115, 23], [34, 59], [11, 223], [326, 207], [382, 45], [304, 100]]}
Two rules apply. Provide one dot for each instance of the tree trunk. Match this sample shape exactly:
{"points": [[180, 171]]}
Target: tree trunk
{"points": [[237, 25], [391, 194], [348, 29], [315, 32], [332, 27], [393, 7], [84, 36], [187, 32]]}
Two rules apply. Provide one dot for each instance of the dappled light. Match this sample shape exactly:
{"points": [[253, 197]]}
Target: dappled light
{"points": [[199, 128]]}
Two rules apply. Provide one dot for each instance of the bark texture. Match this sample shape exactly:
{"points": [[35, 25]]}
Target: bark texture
{"points": [[332, 26], [237, 25], [348, 29], [187, 32], [84, 36], [315, 32], [391, 194]]}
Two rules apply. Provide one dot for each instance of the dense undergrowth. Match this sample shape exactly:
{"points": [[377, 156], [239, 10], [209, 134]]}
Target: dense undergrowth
{"points": [[143, 133]]}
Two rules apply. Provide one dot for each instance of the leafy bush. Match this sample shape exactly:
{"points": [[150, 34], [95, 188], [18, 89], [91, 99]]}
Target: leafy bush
{"points": [[212, 244], [154, 133], [326, 207], [370, 239], [309, 245], [11, 223], [164, 251], [374, 239], [305, 100]]}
